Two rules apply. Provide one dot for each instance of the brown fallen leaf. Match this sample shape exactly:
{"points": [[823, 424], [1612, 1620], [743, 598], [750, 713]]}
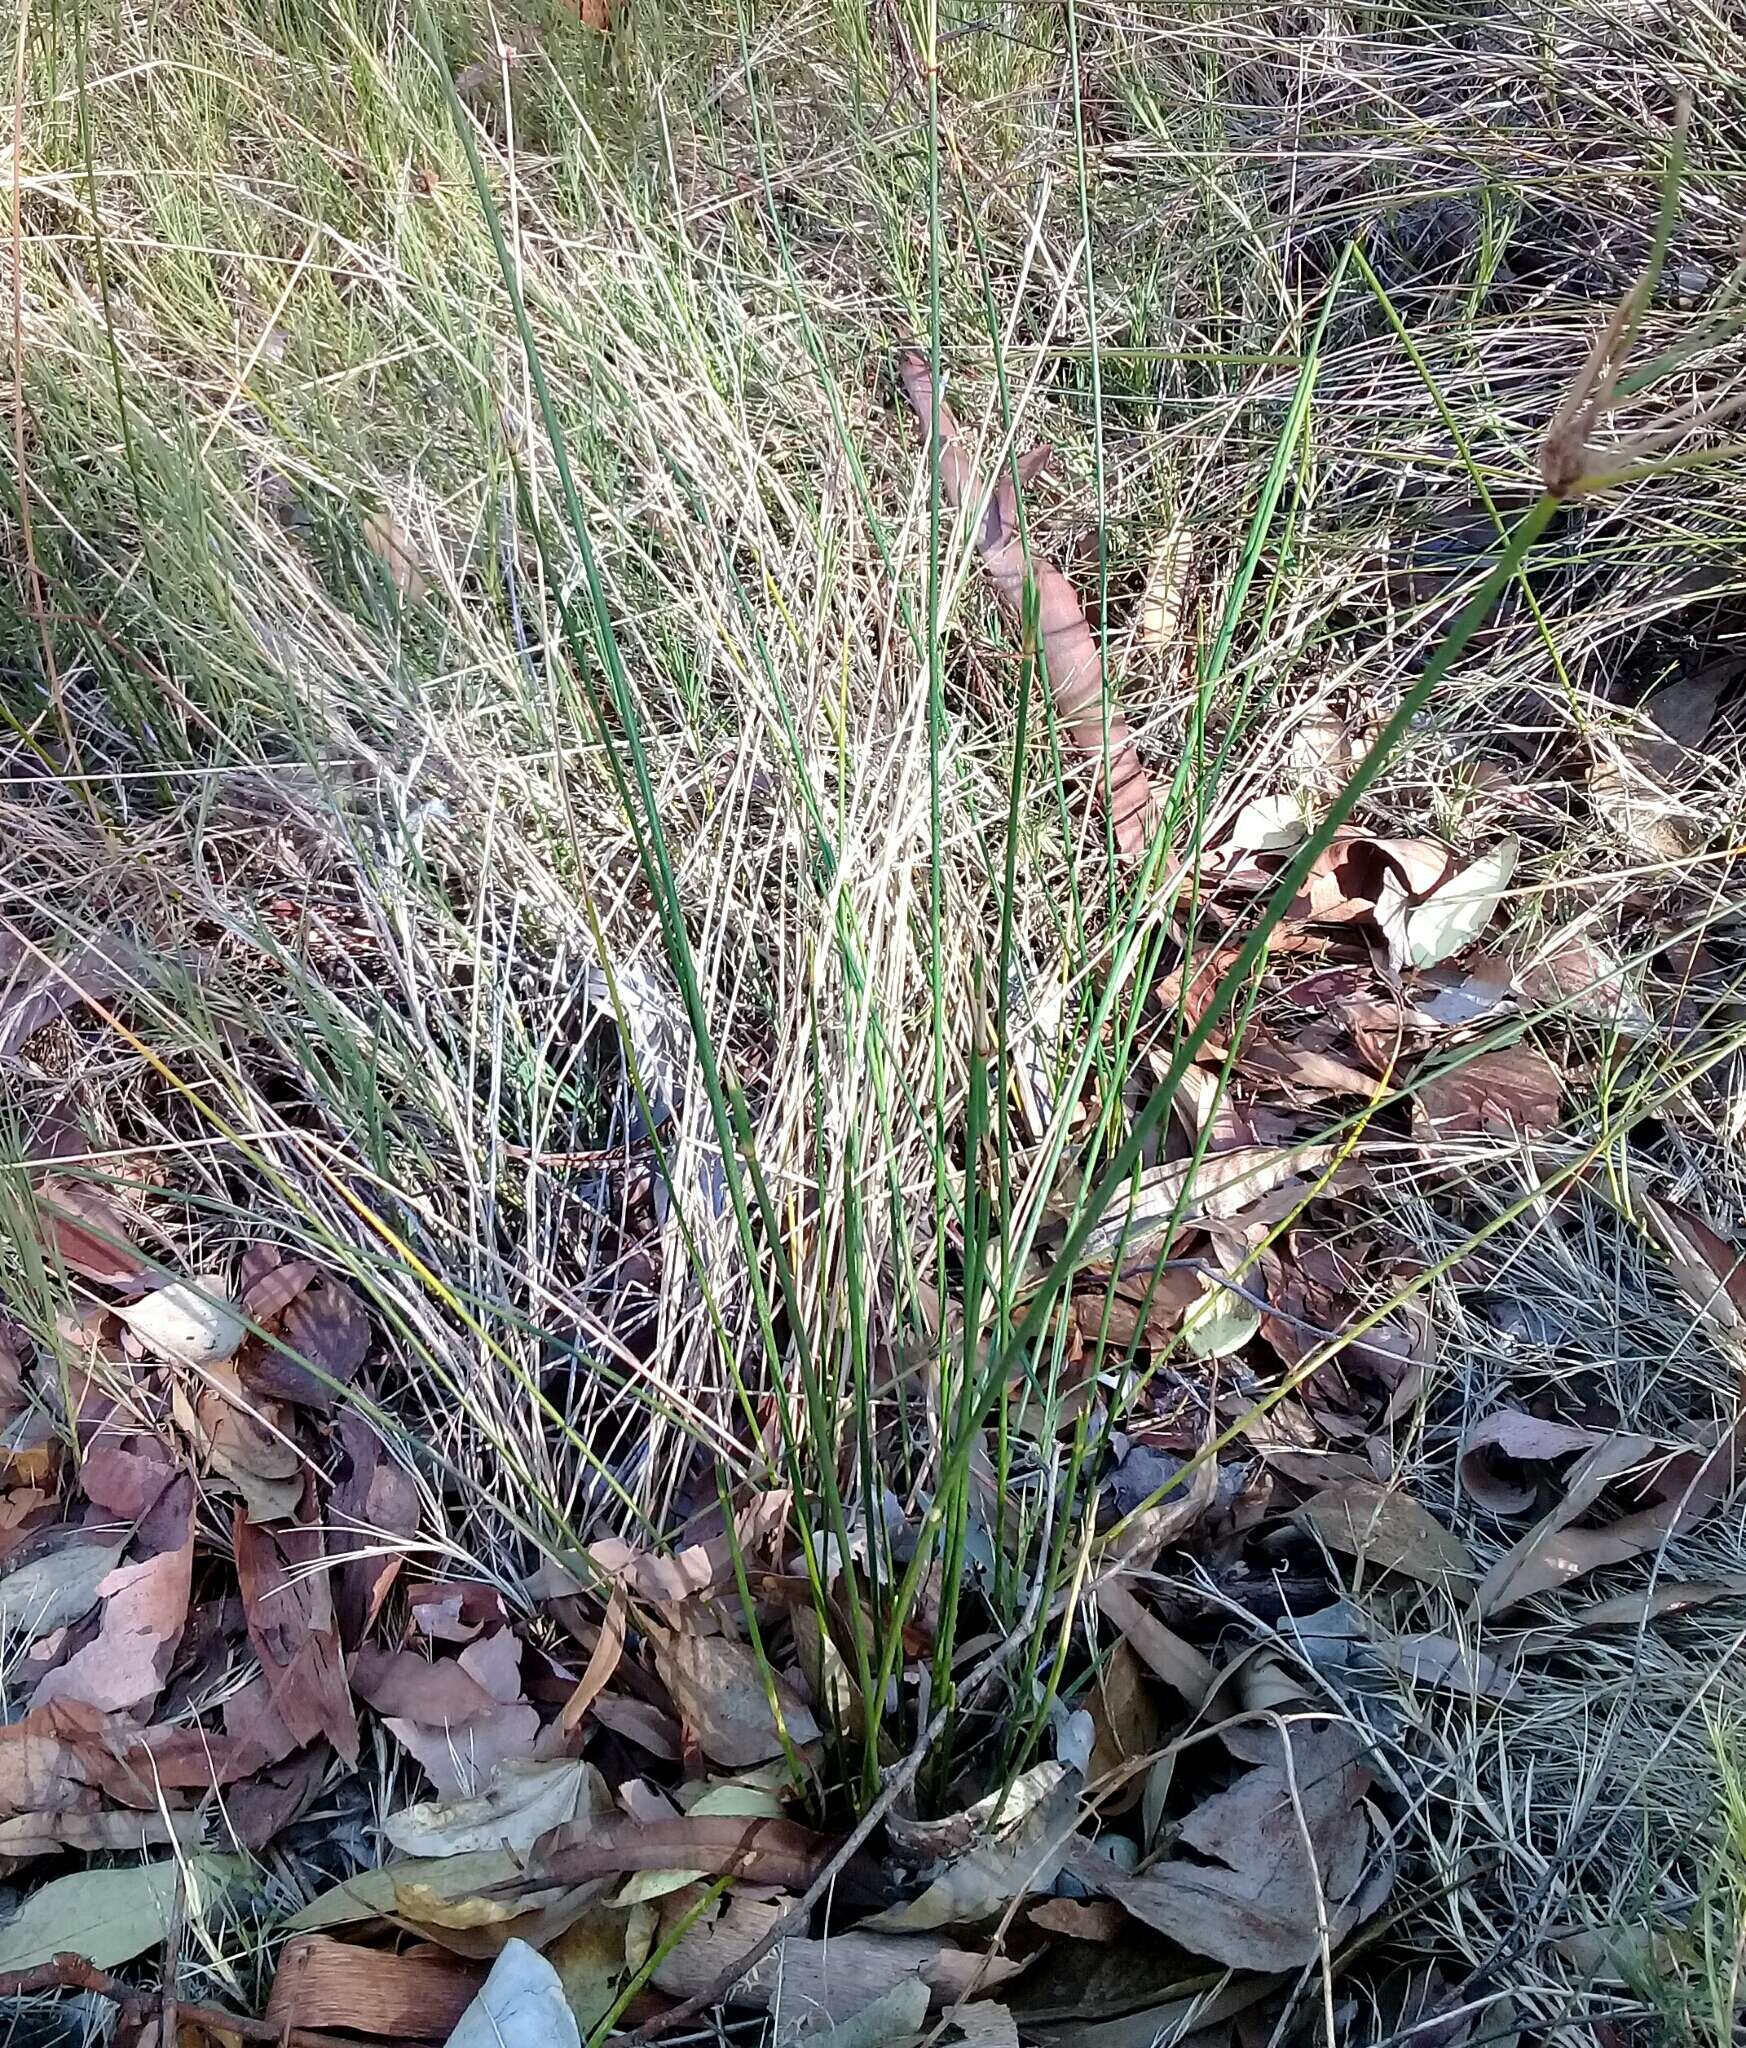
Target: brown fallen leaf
{"points": [[1008, 1845], [323, 1983], [1222, 1186], [460, 1758], [1511, 1091], [456, 1611], [1665, 1598], [125, 1474], [1098, 735], [1286, 1845], [1575, 973], [754, 1849], [1446, 1662], [1384, 1528], [601, 1665], [387, 541], [1079, 1919], [1166, 1655], [87, 1231], [269, 1799], [400, 1684], [1708, 1270], [373, 1513], [1682, 1489], [326, 1337], [642, 1724], [657, 1578], [728, 1708], [1509, 1437], [145, 1609], [245, 1442], [288, 1603]]}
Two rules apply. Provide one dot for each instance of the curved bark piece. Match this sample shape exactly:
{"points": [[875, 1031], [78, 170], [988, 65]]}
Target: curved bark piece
{"points": [[1070, 656]]}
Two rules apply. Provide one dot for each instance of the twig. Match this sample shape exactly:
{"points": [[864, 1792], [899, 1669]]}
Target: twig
{"points": [[899, 1782], [67, 1972]]}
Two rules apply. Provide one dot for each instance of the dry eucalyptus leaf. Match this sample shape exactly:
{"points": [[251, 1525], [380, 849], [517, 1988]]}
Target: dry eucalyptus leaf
{"points": [[1682, 1490], [60, 1586], [1018, 1845], [88, 1232], [110, 1916], [1387, 1530], [387, 541], [1454, 914], [1511, 1091], [814, 1983], [370, 1893], [1508, 1437], [522, 1802], [1220, 1187], [245, 1444], [520, 2005], [190, 1322], [1284, 1846], [1709, 1271], [725, 1703], [1165, 1654], [1268, 824], [1161, 601], [145, 1609], [1090, 726]]}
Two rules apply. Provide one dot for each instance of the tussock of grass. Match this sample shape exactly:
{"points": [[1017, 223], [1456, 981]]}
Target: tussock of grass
{"points": [[394, 926]]}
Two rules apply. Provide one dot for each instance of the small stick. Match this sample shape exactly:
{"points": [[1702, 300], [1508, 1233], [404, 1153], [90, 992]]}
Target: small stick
{"points": [[67, 1972]]}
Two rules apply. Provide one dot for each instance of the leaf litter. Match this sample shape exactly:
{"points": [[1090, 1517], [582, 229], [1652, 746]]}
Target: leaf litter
{"points": [[641, 1754]]}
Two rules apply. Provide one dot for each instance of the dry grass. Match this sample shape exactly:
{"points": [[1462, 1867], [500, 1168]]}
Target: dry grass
{"points": [[342, 801]]}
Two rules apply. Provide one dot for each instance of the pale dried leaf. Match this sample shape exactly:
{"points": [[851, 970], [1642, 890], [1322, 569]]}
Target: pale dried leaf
{"points": [[1252, 1903], [1161, 600], [1180, 1665], [1220, 1187], [190, 1322], [1090, 727], [88, 1232], [111, 1916], [1684, 1489], [1388, 1531], [1454, 915], [896, 2014], [1522, 1439], [60, 1586], [370, 1893], [1511, 1091], [520, 2005], [387, 541], [522, 1802]]}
